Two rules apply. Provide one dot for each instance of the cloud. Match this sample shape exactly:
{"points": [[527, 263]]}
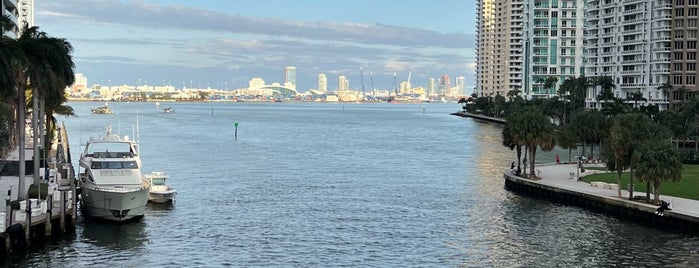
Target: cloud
{"points": [[131, 39]]}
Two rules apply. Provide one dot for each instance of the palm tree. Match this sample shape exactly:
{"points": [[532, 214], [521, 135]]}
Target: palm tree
{"points": [[550, 83], [636, 97], [626, 134], [660, 162], [533, 129], [607, 86], [49, 69]]}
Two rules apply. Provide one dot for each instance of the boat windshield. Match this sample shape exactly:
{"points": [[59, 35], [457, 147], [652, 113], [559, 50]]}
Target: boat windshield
{"points": [[157, 181], [114, 165]]}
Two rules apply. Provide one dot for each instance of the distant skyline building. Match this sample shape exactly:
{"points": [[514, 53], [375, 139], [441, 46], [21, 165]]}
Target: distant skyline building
{"points": [[322, 82], [445, 85], [256, 83], [431, 86], [342, 83], [460, 86], [290, 77]]}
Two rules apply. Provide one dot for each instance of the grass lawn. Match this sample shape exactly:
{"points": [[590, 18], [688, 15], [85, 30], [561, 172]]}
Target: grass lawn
{"points": [[687, 187]]}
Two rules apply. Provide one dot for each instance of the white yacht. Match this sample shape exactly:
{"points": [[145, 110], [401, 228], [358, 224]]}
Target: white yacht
{"points": [[111, 184], [160, 192]]}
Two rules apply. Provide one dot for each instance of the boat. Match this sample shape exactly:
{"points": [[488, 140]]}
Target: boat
{"points": [[111, 185], [168, 110], [160, 192], [104, 109]]}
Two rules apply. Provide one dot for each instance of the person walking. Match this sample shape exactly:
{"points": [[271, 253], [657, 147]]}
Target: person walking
{"points": [[558, 159]]}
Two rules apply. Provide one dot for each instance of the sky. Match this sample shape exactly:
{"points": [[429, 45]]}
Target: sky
{"points": [[224, 44]]}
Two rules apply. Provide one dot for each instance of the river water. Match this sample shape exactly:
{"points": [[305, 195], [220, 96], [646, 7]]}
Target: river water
{"points": [[318, 185]]}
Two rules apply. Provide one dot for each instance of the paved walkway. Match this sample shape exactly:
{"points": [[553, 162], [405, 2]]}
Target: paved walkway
{"points": [[560, 176]]}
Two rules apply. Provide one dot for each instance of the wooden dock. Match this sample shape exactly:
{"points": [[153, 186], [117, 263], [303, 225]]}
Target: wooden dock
{"points": [[52, 214]]}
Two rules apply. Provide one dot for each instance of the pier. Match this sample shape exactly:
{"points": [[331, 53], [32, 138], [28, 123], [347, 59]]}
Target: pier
{"points": [[50, 208], [559, 183]]}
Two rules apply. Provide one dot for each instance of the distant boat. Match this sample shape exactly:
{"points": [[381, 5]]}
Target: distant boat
{"points": [[168, 110], [160, 192], [104, 109]]}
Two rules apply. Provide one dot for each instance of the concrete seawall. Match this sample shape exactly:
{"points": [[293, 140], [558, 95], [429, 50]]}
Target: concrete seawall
{"points": [[479, 117], [566, 190]]}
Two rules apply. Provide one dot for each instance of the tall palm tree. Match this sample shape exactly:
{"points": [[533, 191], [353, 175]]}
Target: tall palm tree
{"points": [[550, 83], [626, 134], [49, 69]]}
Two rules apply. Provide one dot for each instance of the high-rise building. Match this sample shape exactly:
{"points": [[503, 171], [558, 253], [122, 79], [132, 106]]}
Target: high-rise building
{"points": [[683, 59], [431, 86], [634, 43], [444, 85], [549, 34], [342, 83], [20, 12], [460, 86], [322, 83], [256, 83], [9, 9], [499, 46], [290, 77]]}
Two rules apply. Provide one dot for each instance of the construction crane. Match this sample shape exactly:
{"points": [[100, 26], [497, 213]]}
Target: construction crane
{"points": [[373, 89]]}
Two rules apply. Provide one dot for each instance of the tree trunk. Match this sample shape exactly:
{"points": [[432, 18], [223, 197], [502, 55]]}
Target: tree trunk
{"points": [[656, 191], [35, 134], [648, 191], [570, 152], [532, 155], [618, 181], [630, 182], [21, 118]]}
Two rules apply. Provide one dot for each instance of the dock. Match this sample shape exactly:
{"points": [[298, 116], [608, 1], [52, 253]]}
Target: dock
{"points": [[559, 183], [53, 213]]}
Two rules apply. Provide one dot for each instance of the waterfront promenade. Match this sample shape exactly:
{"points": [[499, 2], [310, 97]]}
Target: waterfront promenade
{"points": [[560, 180]]}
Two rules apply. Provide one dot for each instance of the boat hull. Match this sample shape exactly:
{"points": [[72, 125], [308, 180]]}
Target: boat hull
{"points": [[162, 197], [112, 205]]}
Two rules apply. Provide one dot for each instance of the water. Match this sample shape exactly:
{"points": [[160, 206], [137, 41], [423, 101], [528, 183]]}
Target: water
{"points": [[317, 185]]}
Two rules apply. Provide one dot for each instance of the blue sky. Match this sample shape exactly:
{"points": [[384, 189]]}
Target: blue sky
{"points": [[223, 44]]}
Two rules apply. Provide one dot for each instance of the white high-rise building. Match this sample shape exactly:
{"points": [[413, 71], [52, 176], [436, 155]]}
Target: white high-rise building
{"points": [[322, 83], [9, 8], [256, 83], [460, 86], [26, 13], [631, 42], [342, 83], [290, 77], [431, 86], [521, 43]]}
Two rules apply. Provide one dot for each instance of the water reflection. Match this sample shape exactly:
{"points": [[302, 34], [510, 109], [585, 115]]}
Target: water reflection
{"points": [[113, 236]]}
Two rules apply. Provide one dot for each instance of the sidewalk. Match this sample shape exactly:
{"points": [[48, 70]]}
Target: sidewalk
{"points": [[560, 176]]}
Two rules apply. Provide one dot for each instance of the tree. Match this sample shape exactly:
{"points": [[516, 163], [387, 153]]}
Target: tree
{"points": [[658, 162], [550, 83], [626, 134], [48, 70], [511, 140], [636, 97], [534, 130]]}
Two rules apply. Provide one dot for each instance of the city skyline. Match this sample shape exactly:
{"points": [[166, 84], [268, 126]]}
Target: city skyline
{"points": [[212, 43]]}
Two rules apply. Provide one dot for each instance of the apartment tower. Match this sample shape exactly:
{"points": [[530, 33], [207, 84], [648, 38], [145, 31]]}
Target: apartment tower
{"points": [[683, 60], [631, 42]]}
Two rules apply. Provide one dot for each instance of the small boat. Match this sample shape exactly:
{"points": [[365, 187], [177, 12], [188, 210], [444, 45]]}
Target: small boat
{"points": [[111, 184], [168, 110], [104, 109], [160, 192]]}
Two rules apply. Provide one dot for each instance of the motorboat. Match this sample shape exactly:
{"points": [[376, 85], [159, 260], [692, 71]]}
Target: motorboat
{"points": [[160, 192], [168, 110], [111, 184], [104, 109]]}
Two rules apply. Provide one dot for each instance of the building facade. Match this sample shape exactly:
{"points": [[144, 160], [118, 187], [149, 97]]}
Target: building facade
{"points": [[290, 77], [9, 9], [631, 42], [322, 83]]}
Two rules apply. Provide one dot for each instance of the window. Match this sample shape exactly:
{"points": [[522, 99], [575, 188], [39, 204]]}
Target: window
{"points": [[678, 55], [691, 66], [691, 79], [677, 67], [691, 44], [679, 45], [679, 34], [691, 55], [679, 12], [692, 12], [677, 79]]}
